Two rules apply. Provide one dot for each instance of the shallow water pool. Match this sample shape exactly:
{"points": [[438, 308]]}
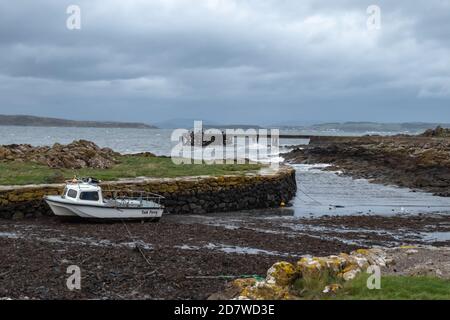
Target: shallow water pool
{"points": [[329, 193]]}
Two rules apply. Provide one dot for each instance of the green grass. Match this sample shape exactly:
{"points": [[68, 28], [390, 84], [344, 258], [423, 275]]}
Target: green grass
{"points": [[397, 288], [20, 173], [392, 288], [311, 287]]}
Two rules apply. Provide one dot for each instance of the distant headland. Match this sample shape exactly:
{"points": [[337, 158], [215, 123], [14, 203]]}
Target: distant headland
{"points": [[34, 121], [412, 127]]}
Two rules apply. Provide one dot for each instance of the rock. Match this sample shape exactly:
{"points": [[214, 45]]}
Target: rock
{"points": [[76, 155], [408, 247], [351, 274], [266, 291], [438, 132], [307, 267], [281, 273], [282, 276]]}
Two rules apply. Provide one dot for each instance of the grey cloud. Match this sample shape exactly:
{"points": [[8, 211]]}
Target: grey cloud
{"points": [[240, 61]]}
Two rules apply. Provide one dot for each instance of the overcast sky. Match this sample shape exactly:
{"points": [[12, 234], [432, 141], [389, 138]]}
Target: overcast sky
{"points": [[229, 61]]}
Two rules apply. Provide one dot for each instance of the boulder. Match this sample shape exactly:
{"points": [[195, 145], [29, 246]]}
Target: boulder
{"points": [[282, 277], [76, 155], [439, 132], [281, 273]]}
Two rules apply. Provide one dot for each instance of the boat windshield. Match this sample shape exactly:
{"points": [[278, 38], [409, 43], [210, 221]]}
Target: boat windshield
{"points": [[89, 195]]}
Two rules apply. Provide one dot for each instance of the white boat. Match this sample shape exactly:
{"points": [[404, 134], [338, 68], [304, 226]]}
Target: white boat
{"points": [[84, 198]]}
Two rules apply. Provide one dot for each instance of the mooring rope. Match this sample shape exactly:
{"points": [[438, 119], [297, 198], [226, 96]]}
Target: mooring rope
{"points": [[135, 244], [318, 202]]}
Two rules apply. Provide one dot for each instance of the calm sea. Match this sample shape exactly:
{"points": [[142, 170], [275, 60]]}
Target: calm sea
{"points": [[121, 140]]}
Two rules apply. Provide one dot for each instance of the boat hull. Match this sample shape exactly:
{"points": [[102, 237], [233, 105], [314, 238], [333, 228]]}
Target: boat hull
{"points": [[65, 209], [60, 210]]}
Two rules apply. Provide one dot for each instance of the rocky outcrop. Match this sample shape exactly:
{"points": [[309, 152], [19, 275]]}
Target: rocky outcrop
{"points": [[76, 155], [182, 195], [290, 281], [287, 281], [414, 162], [438, 132]]}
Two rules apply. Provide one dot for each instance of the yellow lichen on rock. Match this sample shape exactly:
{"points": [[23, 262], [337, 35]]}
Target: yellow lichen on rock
{"points": [[367, 257], [335, 263], [244, 283], [408, 247], [362, 251], [280, 282], [266, 291], [319, 266], [309, 268], [281, 273]]}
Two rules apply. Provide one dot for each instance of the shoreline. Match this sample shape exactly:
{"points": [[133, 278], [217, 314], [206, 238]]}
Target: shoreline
{"points": [[418, 163], [190, 256]]}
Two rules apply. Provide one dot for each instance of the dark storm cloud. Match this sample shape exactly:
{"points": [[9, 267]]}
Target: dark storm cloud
{"points": [[226, 60]]}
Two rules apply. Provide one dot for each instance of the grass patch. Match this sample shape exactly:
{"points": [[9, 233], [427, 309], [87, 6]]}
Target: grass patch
{"points": [[311, 288], [20, 173], [397, 288], [392, 288]]}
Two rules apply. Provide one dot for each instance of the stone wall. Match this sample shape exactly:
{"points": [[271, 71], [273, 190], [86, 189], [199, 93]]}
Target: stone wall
{"points": [[197, 195]]}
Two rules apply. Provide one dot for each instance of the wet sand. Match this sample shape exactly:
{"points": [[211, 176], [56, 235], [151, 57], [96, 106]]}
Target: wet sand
{"points": [[186, 257]]}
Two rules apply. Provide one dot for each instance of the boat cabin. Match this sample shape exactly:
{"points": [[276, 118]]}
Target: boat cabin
{"points": [[83, 192]]}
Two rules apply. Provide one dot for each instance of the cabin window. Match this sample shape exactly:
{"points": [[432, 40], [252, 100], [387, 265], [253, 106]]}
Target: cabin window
{"points": [[72, 193], [91, 196], [64, 192]]}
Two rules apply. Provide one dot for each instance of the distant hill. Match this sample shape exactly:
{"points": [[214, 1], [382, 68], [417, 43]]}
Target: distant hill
{"points": [[33, 121], [374, 126]]}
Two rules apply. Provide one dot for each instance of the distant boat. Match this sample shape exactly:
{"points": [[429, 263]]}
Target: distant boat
{"points": [[84, 198]]}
